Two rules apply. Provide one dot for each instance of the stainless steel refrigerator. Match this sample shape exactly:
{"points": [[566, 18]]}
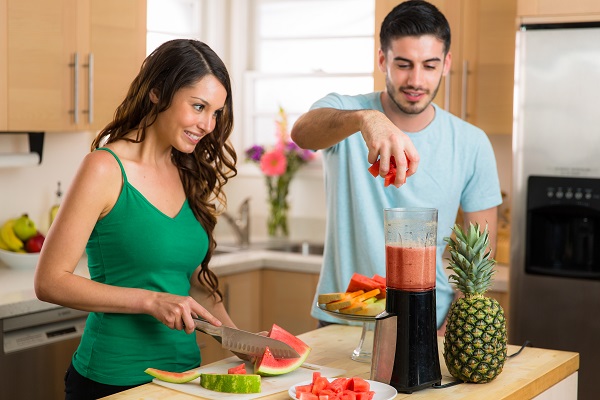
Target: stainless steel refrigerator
{"points": [[555, 234]]}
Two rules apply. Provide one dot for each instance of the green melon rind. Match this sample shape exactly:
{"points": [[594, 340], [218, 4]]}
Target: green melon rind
{"points": [[172, 377], [231, 383]]}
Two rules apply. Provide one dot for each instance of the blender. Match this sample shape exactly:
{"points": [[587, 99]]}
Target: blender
{"points": [[405, 347]]}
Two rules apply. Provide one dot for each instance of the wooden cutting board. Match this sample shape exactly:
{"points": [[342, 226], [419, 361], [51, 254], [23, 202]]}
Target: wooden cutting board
{"points": [[269, 385]]}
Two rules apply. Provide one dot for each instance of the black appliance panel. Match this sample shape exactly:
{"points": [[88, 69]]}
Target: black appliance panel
{"points": [[563, 227]]}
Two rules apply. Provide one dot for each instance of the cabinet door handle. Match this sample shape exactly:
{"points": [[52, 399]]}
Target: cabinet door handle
{"points": [[75, 110], [465, 90], [90, 67], [447, 88]]}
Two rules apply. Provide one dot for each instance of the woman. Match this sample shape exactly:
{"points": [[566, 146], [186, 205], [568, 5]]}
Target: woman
{"points": [[142, 204]]}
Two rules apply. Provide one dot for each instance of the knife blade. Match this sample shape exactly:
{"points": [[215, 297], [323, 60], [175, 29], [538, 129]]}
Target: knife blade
{"points": [[246, 342]]}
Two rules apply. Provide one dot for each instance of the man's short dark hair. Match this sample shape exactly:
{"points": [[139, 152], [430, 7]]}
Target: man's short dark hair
{"points": [[414, 18]]}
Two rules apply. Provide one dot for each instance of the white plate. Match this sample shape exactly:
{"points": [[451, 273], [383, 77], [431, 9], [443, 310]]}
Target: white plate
{"points": [[382, 391]]}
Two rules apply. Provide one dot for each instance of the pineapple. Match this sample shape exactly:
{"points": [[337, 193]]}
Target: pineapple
{"points": [[475, 338]]}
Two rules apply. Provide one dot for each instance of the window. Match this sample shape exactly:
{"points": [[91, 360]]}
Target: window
{"points": [[172, 19], [303, 50], [285, 53]]}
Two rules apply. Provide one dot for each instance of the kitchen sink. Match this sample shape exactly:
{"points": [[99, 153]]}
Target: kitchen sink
{"points": [[304, 248]]}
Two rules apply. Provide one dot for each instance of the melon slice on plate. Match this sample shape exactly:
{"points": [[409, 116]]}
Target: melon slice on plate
{"points": [[267, 365]]}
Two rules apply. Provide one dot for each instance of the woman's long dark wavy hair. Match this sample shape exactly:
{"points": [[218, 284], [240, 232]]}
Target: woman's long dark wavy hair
{"points": [[174, 65]]}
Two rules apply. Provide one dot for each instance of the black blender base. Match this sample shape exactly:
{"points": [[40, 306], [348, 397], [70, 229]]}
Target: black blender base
{"points": [[416, 362], [417, 388]]}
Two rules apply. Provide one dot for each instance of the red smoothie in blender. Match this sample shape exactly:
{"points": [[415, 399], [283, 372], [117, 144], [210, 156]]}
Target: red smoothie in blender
{"points": [[410, 268]]}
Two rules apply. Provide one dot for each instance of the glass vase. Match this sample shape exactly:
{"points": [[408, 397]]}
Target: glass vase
{"points": [[277, 221]]}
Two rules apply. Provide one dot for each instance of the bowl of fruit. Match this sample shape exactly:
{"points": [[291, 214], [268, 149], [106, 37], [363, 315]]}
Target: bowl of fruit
{"points": [[20, 243]]}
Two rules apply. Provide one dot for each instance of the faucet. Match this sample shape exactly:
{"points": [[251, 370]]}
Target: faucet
{"points": [[241, 223]]}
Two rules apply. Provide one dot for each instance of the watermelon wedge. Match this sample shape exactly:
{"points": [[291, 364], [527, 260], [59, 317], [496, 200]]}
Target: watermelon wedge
{"points": [[366, 284], [173, 377], [267, 365]]}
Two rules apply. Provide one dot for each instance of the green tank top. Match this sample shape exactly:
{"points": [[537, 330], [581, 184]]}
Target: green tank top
{"points": [[136, 245]]}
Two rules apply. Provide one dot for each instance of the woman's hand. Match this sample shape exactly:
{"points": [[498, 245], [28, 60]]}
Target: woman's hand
{"points": [[177, 312]]}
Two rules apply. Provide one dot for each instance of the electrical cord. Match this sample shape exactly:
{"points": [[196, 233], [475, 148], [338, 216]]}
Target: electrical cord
{"points": [[457, 382], [527, 342]]}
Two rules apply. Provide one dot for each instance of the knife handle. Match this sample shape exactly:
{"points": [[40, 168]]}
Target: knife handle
{"points": [[207, 327]]}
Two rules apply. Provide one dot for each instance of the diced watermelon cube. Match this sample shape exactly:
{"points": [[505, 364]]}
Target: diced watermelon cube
{"points": [[348, 395], [316, 375], [359, 384], [304, 388], [307, 396], [338, 385], [374, 169], [365, 395], [239, 369], [320, 384]]}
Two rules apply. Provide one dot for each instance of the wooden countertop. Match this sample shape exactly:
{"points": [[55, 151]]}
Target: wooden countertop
{"points": [[525, 376]]}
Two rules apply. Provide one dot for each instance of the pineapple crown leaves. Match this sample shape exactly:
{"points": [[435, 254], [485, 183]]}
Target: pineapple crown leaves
{"points": [[470, 260]]}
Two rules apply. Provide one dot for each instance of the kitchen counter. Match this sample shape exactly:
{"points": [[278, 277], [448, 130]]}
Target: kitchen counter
{"points": [[548, 374], [17, 296]]}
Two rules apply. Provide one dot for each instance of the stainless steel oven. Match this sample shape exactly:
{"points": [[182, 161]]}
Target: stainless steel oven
{"points": [[36, 351]]}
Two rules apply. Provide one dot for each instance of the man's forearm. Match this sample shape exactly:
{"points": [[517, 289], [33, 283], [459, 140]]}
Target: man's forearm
{"points": [[323, 127]]}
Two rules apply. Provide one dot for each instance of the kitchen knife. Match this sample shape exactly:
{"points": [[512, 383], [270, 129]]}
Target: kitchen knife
{"points": [[246, 342]]}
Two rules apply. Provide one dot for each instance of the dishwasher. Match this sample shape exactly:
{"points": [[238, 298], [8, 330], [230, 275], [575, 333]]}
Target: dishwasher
{"points": [[36, 351]]}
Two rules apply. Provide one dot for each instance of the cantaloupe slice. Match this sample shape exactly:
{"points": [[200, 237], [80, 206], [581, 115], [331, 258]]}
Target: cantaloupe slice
{"points": [[345, 302], [329, 297], [367, 295]]}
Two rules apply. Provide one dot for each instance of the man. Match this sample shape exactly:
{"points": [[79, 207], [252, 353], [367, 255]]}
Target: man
{"points": [[448, 162]]}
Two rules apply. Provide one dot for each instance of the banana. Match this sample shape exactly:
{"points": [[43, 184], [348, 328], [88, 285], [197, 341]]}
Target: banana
{"points": [[9, 238], [3, 245]]}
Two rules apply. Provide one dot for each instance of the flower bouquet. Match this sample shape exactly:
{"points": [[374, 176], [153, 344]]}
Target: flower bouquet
{"points": [[279, 165]]}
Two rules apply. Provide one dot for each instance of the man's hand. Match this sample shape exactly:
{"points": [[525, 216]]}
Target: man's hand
{"points": [[384, 140]]}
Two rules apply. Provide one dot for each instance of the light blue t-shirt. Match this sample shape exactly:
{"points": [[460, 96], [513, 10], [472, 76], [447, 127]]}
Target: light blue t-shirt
{"points": [[457, 168]]}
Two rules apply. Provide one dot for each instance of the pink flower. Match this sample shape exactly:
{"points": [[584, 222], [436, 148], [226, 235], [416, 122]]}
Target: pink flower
{"points": [[273, 163]]}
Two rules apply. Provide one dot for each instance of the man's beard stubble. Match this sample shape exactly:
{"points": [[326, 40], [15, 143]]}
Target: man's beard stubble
{"points": [[411, 109]]}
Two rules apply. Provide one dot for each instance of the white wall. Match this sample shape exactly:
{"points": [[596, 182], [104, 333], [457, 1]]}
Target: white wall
{"points": [[32, 189]]}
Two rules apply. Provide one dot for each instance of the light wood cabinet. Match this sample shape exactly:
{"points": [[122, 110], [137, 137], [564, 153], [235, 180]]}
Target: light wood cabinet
{"points": [[287, 299], [69, 63], [3, 65], [571, 9], [479, 88]]}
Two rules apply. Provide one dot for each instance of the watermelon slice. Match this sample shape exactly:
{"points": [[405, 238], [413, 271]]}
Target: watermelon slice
{"points": [[267, 365], [231, 383], [362, 282], [380, 279], [173, 377]]}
